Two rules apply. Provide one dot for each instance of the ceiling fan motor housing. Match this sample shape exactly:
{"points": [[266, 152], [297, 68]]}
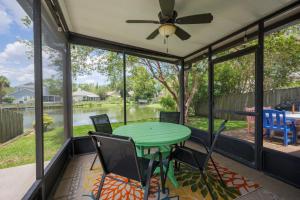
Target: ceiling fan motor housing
{"points": [[168, 18]]}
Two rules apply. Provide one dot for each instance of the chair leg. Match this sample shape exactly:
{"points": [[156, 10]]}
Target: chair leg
{"points": [[248, 129], [207, 185], [147, 188], [162, 176], [93, 162], [294, 135], [268, 133], [285, 138], [100, 187]]}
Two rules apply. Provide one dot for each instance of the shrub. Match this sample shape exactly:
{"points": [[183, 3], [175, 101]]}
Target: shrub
{"points": [[168, 103], [47, 121], [8, 99]]}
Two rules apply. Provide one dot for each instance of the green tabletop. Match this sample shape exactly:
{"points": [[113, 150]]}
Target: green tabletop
{"points": [[154, 134]]}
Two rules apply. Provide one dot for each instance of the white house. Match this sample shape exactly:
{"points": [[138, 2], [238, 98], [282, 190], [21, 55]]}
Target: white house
{"points": [[82, 95]]}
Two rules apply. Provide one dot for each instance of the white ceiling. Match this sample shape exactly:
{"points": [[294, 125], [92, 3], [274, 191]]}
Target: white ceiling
{"points": [[105, 19]]}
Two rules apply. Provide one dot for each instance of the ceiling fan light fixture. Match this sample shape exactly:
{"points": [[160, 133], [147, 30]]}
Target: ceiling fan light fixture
{"points": [[167, 30]]}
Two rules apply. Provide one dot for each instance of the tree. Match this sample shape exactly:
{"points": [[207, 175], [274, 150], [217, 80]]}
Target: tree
{"points": [[282, 57], [196, 86], [54, 86], [8, 99], [4, 84], [169, 75], [141, 83], [237, 76]]}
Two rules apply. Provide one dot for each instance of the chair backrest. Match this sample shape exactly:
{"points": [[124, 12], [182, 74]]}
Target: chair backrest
{"points": [[101, 123], [170, 117], [216, 135], [274, 119], [251, 118], [117, 155]]}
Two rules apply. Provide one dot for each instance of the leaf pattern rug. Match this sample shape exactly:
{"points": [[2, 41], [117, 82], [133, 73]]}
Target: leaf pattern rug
{"points": [[192, 186]]}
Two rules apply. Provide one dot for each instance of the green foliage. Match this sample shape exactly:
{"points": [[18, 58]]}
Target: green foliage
{"points": [[237, 76], [47, 121], [141, 83], [54, 85], [101, 91], [168, 103], [196, 85], [8, 99], [26, 21], [4, 85], [282, 58], [87, 60], [114, 100]]}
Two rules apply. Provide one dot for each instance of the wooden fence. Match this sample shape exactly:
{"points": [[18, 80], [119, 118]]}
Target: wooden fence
{"points": [[11, 124], [238, 102]]}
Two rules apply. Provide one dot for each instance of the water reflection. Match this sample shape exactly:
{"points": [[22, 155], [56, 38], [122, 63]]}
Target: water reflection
{"points": [[81, 115]]}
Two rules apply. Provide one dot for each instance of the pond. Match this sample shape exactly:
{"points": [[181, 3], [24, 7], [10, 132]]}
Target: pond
{"points": [[81, 115]]}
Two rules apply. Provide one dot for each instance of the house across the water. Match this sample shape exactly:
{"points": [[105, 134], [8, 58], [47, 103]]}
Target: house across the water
{"points": [[82, 95], [25, 94]]}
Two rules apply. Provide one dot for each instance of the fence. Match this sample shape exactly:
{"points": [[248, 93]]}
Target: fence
{"points": [[238, 102], [11, 124]]}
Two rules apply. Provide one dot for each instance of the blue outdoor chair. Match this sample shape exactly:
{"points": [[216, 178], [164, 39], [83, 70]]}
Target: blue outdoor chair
{"points": [[275, 120]]}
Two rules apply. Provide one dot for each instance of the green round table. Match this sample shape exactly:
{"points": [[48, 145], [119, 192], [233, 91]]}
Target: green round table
{"points": [[155, 134]]}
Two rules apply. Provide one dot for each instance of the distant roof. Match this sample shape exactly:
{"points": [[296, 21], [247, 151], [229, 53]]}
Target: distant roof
{"points": [[29, 85], [22, 90], [84, 93]]}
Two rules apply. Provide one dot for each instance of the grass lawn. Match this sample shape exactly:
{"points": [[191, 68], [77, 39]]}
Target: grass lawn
{"points": [[21, 150], [202, 123]]}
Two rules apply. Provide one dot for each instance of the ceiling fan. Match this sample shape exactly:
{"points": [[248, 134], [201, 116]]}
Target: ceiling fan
{"points": [[168, 18]]}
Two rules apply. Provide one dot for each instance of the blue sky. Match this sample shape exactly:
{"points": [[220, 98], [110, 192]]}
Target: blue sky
{"points": [[14, 62]]}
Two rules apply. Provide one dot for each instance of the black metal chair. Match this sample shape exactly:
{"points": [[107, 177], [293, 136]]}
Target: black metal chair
{"points": [[170, 117], [196, 159], [118, 156], [101, 124]]}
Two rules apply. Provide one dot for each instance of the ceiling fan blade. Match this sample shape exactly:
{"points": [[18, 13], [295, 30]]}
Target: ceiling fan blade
{"points": [[142, 21], [153, 35], [182, 34], [195, 19], [167, 7]]}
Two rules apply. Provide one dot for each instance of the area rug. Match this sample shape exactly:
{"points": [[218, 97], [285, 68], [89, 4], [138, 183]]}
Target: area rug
{"points": [[81, 183], [191, 186]]}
